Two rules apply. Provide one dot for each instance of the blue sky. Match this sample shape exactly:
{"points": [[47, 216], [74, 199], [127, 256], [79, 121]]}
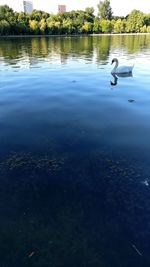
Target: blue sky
{"points": [[119, 7]]}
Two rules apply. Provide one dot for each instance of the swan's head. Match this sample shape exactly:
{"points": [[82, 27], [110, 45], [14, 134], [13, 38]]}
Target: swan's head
{"points": [[114, 60]]}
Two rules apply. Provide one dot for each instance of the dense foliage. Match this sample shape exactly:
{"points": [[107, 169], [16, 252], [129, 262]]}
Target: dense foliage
{"points": [[74, 22]]}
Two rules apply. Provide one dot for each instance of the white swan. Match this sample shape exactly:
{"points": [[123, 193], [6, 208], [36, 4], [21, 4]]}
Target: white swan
{"points": [[121, 69]]}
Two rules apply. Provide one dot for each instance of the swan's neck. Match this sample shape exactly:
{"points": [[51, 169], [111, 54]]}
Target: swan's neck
{"points": [[115, 67]]}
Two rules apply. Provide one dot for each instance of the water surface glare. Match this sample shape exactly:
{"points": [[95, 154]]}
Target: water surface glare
{"points": [[75, 152]]}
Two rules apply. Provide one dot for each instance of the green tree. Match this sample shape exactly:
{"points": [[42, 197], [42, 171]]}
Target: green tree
{"points": [[67, 26], [90, 10], [34, 26], [87, 27], [148, 29], [54, 24], [21, 24], [135, 21], [106, 26], [96, 25], [105, 10], [5, 12], [89, 14], [4, 27], [38, 15], [79, 17], [50, 25], [58, 27], [147, 19], [143, 29], [119, 26], [42, 26]]}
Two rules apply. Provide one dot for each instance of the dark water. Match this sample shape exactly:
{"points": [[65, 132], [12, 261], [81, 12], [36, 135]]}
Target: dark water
{"points": [[74, 152]]}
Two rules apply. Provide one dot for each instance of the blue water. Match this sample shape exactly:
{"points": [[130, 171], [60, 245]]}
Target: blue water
{"points": [[75, 152]]}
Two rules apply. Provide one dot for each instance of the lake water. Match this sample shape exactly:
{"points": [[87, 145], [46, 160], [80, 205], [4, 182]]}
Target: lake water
{"points": [[75, 152]]}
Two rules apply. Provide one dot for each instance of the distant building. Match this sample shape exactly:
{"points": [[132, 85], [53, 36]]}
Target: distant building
{"points": [[61, 8], [27, 6], [19, 5]]}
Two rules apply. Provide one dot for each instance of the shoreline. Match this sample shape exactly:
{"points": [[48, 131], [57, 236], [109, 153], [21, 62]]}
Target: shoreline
{"points": [[71, 35]]}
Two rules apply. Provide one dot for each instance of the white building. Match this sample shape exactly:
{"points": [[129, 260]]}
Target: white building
{"points": [[28, 6], [18, 5]]}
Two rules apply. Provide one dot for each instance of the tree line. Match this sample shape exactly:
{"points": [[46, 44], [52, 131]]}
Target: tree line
{"points": [[74, 22]]}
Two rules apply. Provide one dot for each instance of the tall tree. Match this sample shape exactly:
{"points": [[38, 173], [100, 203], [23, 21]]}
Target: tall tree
{"points": [[89, 14], [135, 21], [105, 10], [5, 12]]}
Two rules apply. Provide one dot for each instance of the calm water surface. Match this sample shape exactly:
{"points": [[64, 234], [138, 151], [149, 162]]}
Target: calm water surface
{"points": [[75, 152]]}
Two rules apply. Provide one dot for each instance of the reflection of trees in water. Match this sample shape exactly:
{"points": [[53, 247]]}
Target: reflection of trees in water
{"points": [[132, 43], [102, 45], [13, 50], [45, 47], [39, 47], [60, 47]]}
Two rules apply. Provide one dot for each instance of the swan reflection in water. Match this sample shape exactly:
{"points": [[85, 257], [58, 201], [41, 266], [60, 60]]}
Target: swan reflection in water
{"points": [[117, 75]]}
